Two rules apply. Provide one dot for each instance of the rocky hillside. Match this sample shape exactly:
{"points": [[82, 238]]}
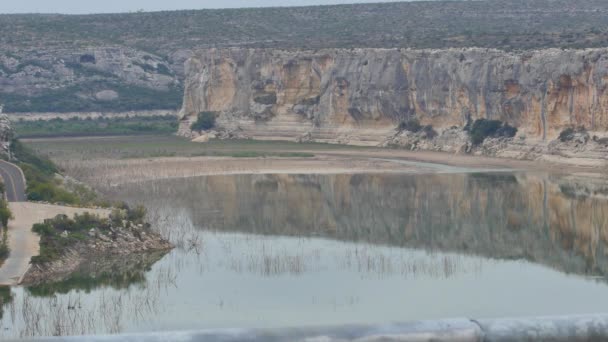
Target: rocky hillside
{"points": [[7, 133], [361, 96], [134, 61], [111, 78]]}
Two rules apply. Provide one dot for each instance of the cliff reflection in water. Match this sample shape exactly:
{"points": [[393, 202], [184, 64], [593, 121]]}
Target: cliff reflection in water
{"points": [[559, 222]]}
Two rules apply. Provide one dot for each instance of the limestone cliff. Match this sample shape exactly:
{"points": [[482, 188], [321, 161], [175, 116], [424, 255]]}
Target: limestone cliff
{"points": [[359, 96]]}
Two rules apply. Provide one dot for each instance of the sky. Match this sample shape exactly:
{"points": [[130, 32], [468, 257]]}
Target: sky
{"points": [[113, 6]]}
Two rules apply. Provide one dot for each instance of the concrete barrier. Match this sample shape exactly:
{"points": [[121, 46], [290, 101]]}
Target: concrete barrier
{"points": [[556, 329], [567, 328]]}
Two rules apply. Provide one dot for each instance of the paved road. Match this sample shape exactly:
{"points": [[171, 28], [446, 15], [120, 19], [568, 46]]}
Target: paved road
{"points": [[13, 182]]}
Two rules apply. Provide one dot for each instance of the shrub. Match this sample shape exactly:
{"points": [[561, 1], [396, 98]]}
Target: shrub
{"points": [[429, 132], [4, 250], [26, 155], [204, 121], [87, 58], [507, 131], [411, 125], [602, 141], [40, 175], [163, 70], [567, 134], [483, 128], [266, 99], [43, 229], [136, 214], [5, 213]]}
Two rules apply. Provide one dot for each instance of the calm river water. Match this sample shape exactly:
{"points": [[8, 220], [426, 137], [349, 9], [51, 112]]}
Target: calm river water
{"points": [[313, 250]]}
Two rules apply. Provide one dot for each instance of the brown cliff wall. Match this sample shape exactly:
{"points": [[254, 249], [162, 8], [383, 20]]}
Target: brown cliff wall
{"points": [[360, 95]]}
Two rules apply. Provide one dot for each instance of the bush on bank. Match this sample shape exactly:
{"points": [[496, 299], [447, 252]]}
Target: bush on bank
{"points": [[484, 128], [204, 121], [61, 232]]}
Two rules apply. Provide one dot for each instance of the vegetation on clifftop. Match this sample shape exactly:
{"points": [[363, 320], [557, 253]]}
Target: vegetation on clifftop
{"points": [[505, 24]]}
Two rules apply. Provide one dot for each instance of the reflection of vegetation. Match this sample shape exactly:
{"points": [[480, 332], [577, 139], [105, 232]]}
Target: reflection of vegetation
{"points": [[6, 296], [87, 283], [493, 179], [583, 190], [100, 126], [115, 272]]}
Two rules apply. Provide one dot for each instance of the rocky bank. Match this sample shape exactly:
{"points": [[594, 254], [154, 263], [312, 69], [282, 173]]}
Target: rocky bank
{"points": [[359, 96], [100, 251]]}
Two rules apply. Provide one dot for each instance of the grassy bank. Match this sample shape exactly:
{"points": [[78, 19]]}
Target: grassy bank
{"points": [[44, 183], [163, 125], [169, 146]]}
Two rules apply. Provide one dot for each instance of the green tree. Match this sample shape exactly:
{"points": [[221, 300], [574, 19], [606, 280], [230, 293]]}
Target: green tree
{"points": [[204, 121]]}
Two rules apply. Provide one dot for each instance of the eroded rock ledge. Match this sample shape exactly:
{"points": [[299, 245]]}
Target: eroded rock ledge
{"points": [[98, 250]]}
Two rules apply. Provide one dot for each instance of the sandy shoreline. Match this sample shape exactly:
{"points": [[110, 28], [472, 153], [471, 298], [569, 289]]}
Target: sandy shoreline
{"points": [[107, 173], [105, 162]]}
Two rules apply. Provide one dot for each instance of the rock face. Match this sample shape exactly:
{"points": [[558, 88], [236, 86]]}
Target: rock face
{"points": [[359, 96], [6, 133], [99, 250]]}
